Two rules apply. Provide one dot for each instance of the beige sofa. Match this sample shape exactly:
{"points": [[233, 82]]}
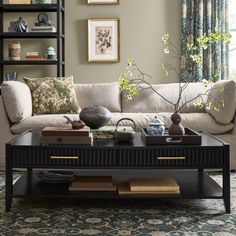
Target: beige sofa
{"points": [[16, 110]]}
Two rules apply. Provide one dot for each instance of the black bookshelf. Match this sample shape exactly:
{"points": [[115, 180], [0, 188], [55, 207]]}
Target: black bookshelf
{"points": [[59, 9]]}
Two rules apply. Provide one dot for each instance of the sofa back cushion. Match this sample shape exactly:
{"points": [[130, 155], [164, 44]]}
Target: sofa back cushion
{"points": [[51, 95], [17, 100], [103, 94], [226, 113], [149, 102]]}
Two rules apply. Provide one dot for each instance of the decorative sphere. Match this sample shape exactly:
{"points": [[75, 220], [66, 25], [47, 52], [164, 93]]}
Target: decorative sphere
{"points": [[95, 116]]}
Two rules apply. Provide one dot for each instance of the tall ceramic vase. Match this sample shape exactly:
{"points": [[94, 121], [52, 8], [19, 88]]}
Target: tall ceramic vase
{"points": [[176, 128]]}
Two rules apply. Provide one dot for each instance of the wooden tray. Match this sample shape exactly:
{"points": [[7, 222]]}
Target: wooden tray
{"points": [[190, 137]]}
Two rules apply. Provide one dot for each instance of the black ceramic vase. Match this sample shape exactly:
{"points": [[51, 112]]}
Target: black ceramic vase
{"points": [[176, 128], [21, 25], [95, 116]]}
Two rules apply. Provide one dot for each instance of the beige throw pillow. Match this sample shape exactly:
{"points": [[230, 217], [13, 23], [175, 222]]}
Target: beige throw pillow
{"points": [[103, 94], [17, 100], [53, 95], [226, 113]]}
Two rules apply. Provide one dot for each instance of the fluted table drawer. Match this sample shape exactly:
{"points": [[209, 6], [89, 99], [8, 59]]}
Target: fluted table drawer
{"points": [[170, 158], [64, 157]]}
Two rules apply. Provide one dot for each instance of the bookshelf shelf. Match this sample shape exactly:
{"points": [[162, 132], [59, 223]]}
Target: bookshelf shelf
{"points": [[59, 9]]}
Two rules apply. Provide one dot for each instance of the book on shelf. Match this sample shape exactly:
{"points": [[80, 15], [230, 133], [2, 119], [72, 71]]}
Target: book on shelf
{"points": [[29, 54], [65, 131], [43, 29], [34, 58], [19, 1], [124, 189], [155, 185], [93, 183], [61, 139]]}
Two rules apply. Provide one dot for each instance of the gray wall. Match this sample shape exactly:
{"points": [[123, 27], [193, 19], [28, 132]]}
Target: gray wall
{"points": [[142, 24]]}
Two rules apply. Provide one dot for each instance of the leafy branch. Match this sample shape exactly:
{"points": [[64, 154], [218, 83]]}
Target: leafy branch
{"points": [[135, 81]]}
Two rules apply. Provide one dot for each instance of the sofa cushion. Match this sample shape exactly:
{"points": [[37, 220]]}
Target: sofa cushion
{"points": [[41, 121], [226, 113], [53, 95], [103, 94], [148, 101], [195, 121], [17, 100]]}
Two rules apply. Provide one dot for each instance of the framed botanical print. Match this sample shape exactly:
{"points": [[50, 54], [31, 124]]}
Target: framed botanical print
{"points": [[103, 40], [103, 2]]}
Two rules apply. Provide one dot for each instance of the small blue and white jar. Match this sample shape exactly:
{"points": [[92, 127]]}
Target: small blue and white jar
{"points": [[156, 127]]}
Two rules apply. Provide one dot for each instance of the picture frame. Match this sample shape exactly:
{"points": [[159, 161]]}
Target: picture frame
{"points": [[103, 2], [103, 40]]}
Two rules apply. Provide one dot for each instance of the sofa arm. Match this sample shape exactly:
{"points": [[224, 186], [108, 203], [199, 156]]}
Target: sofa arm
{"points": [[234, 128], [5, 132]]}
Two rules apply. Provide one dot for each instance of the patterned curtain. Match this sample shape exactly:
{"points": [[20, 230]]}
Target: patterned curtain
{"points": [[199, 17]]}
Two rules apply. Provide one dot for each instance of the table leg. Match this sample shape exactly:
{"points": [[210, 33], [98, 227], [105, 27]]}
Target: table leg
{"points": [[226, 183], [8, 180], [29, 176]]}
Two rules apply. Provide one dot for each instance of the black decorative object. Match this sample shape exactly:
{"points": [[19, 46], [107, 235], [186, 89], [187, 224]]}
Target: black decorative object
{"points": [[176, 128], [21, 25], [56, 176], [95, 116], [43, 20], [76, 124], [124, 135]]}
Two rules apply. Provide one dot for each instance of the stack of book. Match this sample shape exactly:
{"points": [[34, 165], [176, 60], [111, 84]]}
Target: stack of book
{"points": [[44, 28], [19, 1], [64, 135], [106, 132], [33, 56], [149, 186], [92, 183]]}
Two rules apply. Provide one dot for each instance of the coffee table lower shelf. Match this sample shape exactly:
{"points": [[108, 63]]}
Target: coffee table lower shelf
{"points": [[193, 185]]}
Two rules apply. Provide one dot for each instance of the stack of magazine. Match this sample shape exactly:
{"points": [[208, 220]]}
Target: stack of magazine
{"points": [[149, 186]]}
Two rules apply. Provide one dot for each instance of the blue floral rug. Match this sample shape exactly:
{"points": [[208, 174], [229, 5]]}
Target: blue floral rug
{"points": [[115, 218]]}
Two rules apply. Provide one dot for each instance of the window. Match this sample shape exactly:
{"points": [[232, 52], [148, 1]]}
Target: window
{"points": [[232, 28]]}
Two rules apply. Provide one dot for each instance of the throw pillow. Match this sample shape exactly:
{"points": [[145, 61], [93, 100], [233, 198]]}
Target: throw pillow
{"points": [[17, 100], [226, 113], [53, 95]]}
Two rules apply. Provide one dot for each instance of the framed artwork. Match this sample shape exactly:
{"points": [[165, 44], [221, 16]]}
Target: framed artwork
{"points": [[103, 40], [103, 2]]}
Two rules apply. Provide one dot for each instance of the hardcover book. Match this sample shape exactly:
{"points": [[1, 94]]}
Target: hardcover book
{"points": [[93, 183], [19, 1], [124, 189], [160, 185], [61, 139], [65, 131]]}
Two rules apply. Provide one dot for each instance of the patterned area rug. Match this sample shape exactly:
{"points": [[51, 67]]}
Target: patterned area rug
{"points": [[113, 218]]}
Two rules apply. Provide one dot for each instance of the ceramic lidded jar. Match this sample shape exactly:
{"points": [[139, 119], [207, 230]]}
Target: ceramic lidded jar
{"points": [[156, 127], [51, 53]]}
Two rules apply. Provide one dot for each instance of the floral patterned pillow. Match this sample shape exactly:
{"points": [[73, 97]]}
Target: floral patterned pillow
{"points": [[53, 95]]}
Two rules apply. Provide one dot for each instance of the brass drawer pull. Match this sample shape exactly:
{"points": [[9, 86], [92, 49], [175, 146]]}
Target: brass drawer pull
{"points": [[171, 158], [64, 157]]}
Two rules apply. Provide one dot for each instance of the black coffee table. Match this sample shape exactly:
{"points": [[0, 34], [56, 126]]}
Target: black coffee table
{"points": [[185, 163]]}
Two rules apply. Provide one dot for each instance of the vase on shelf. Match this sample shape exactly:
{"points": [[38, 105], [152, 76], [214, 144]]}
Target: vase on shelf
{"points": [[21, 25], [176, 127], [14, 50]]}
